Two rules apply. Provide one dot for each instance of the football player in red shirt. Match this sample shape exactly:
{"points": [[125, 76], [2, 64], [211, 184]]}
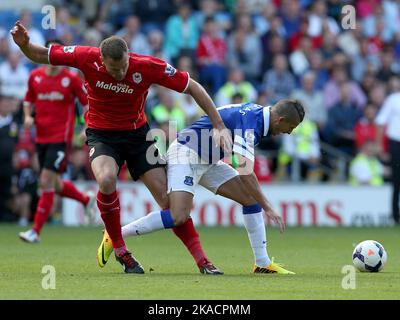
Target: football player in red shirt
{"points": [[52, 91], [117, 83]]}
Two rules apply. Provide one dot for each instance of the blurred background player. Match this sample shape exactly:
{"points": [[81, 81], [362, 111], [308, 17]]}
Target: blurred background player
{"points": [[191, 161], [50, 104], [117, 82]]}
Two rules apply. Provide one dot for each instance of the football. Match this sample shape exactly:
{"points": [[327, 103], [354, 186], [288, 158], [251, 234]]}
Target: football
{"points": [[369, 256]]}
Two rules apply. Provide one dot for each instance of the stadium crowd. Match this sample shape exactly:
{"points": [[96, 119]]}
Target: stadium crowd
{"points": [[241, 51]]}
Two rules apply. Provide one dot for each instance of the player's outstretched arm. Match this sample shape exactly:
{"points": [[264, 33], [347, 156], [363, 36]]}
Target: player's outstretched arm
{"points": [[34, 52], [247, 175], [221, 133]]}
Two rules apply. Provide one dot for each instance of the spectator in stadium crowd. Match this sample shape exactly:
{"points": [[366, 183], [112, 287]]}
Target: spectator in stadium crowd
{"points": [[388, 122], [365, 168], [368, 81], [137, 41], [78, 167], [13, 76], [377, 25], [311, 98], [302, 145], [263, 21], [237, 98], [317, 66], [156, 45], [328, 49], [291, 14], [377, 94], [93, 35], [185, 101], [365, 128], [299, 59], [154, 13], [181, 33], [244, 49], [348, 41], [236, 84], [294, 40], [278, 82], [272, 46], [25, 184], [65, 27], [168, 110], [363, 60], [4, 46], [319, 20], [8, 140], [332, 90], [342, 118], [393, 85], [213, 8], [365, 8], [386, 70], [211, 53]]}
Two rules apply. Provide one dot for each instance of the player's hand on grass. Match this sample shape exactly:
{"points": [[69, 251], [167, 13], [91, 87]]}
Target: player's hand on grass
{"points": [[20, 34], [28, 122], [223, 137], [271, 214]]}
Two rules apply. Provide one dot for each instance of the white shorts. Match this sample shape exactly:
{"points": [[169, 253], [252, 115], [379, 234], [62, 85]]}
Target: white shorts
{"points": [[185, 171]]}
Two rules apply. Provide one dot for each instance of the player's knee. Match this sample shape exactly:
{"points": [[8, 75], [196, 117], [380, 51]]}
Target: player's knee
{"points": [[107, 182], [179, 217], [179, 221]]}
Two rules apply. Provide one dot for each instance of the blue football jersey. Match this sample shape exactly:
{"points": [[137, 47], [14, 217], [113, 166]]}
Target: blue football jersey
{"points": [[248, 123]]}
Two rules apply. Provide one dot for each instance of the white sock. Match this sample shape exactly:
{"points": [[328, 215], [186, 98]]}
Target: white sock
{"points": [[154, 221], [255, 227]]}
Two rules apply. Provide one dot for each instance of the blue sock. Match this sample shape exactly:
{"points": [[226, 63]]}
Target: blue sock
{"points": [[166, 218]]}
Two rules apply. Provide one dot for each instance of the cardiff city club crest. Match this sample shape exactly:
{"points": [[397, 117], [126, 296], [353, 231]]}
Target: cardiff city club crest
{"points": [[137, 77], [65, 82]]}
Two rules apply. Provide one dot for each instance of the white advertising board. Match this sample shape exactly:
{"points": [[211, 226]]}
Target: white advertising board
{"points": [[299, 205]]}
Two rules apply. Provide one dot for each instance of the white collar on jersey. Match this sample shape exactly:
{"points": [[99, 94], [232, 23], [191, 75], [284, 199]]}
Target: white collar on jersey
{"points": [[266, 114]]}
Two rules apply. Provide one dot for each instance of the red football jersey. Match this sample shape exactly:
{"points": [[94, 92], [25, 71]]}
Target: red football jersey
{"points": [[54, 101], [118, 105]]}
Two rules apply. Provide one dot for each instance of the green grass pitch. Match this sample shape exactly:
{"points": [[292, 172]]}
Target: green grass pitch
{"points": [[317, 255]]}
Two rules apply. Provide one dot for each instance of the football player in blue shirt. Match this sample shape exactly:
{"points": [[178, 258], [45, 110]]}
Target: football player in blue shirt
{"points": [[194, 158]]}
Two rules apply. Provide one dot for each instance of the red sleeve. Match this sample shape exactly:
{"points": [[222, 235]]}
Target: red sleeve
{"points": [[30, 95], [167, 76], [72, 56], [80, 91]]}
